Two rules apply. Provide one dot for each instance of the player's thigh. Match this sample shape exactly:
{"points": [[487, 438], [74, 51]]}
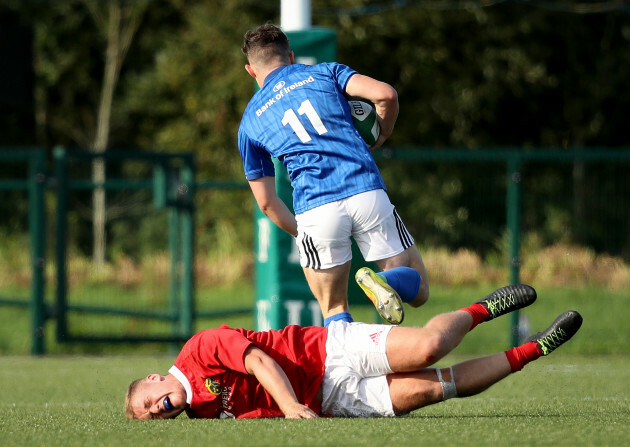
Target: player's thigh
{"points": [[324, 236], [411, 348], [377, 228]]}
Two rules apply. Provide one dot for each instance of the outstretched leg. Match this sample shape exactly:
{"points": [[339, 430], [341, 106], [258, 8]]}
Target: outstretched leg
{"points": [[411, 349], [410, 391]]}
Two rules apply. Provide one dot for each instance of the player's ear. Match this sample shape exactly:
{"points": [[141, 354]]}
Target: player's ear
{"points": [[292, 57], [250, 70], [154, 377]]}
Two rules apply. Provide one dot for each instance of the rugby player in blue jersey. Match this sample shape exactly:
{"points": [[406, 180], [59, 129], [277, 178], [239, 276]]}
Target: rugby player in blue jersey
{"points": [[301, 116]]}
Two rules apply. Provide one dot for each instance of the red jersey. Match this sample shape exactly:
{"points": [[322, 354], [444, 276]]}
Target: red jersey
{"points": [[212, 362]]}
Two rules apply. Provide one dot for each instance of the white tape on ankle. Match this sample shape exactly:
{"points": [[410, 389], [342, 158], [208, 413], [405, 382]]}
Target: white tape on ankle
{"points": [[449, 390]]}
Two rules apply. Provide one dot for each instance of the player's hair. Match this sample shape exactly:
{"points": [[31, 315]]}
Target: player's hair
{"points": [[131, 392], [265, 43]]}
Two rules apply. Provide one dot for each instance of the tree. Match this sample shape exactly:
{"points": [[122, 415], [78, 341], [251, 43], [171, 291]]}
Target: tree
{"points": [[117, 22], [467, 75]]}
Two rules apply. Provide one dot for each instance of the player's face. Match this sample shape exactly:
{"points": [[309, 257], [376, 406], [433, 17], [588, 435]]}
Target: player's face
{"points": [[159, 399]]}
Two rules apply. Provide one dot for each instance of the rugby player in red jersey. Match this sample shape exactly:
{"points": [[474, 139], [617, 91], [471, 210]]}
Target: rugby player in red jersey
{"points": [[345, 369]]}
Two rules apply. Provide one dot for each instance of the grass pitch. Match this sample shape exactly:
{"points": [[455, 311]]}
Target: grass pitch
{"points": [[578, 396], [558, 400]]}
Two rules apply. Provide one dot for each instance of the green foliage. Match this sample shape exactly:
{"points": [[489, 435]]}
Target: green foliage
{"points": [[15, 261], [67, 75], [227, 228], [510, 74], [192, 96], [504, 75]]}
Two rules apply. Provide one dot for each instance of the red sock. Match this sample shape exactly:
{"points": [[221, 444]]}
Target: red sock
{"points": [[522, 355], [478, 312]]}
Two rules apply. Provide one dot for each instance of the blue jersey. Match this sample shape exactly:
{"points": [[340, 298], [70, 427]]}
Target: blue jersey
{"points": [[301, 117]]}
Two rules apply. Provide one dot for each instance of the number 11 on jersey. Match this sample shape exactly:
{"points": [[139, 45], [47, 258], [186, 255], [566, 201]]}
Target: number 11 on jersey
{"points": [[306, 108]]}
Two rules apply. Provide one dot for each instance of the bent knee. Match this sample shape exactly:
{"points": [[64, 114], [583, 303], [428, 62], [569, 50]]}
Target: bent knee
{"points": [[434, 347], [422, 297]]}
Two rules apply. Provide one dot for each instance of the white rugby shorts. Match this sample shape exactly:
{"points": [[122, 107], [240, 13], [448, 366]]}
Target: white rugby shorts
{"points": [[356, 368], [370, 218]]}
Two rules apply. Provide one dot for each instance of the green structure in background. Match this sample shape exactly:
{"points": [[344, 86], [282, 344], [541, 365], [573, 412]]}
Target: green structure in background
{"points": [[282, 294], [35, 185], [173, 188]]}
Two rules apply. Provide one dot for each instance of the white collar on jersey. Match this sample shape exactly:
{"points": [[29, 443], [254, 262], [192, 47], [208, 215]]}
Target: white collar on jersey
{"points": [[184, 381]]}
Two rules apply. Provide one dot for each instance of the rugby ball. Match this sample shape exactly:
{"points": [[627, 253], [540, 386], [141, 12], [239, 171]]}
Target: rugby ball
{"points": [[364, 118]]}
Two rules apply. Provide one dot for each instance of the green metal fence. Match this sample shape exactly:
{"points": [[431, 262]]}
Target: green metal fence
{"points": [[167, 186], [522, 202], [34, 185]]}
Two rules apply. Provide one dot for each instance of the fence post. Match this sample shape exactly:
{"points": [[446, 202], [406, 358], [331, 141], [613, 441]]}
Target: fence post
{"points": [[37, 230], [186, 196], [61, 183], [180, 202], [513, 206], [174, 248]]}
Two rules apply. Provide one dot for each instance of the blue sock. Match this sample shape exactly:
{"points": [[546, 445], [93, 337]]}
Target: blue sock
{"points": [[343, 316], [404, 280]]}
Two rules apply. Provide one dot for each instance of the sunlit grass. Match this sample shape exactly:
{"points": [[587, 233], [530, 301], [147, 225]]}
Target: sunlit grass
{"points": [[567, 400]]}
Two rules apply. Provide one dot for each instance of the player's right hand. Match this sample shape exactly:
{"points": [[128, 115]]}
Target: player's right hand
{"points": [[299, 411]]}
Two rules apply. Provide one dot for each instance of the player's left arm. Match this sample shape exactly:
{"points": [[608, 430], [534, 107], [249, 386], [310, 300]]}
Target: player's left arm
{"points": [[276, 383], [264, 190], [385, 100]]}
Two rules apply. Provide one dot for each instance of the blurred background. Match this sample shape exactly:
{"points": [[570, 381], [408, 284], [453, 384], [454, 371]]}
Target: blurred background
{"points": [[509, 159]]}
